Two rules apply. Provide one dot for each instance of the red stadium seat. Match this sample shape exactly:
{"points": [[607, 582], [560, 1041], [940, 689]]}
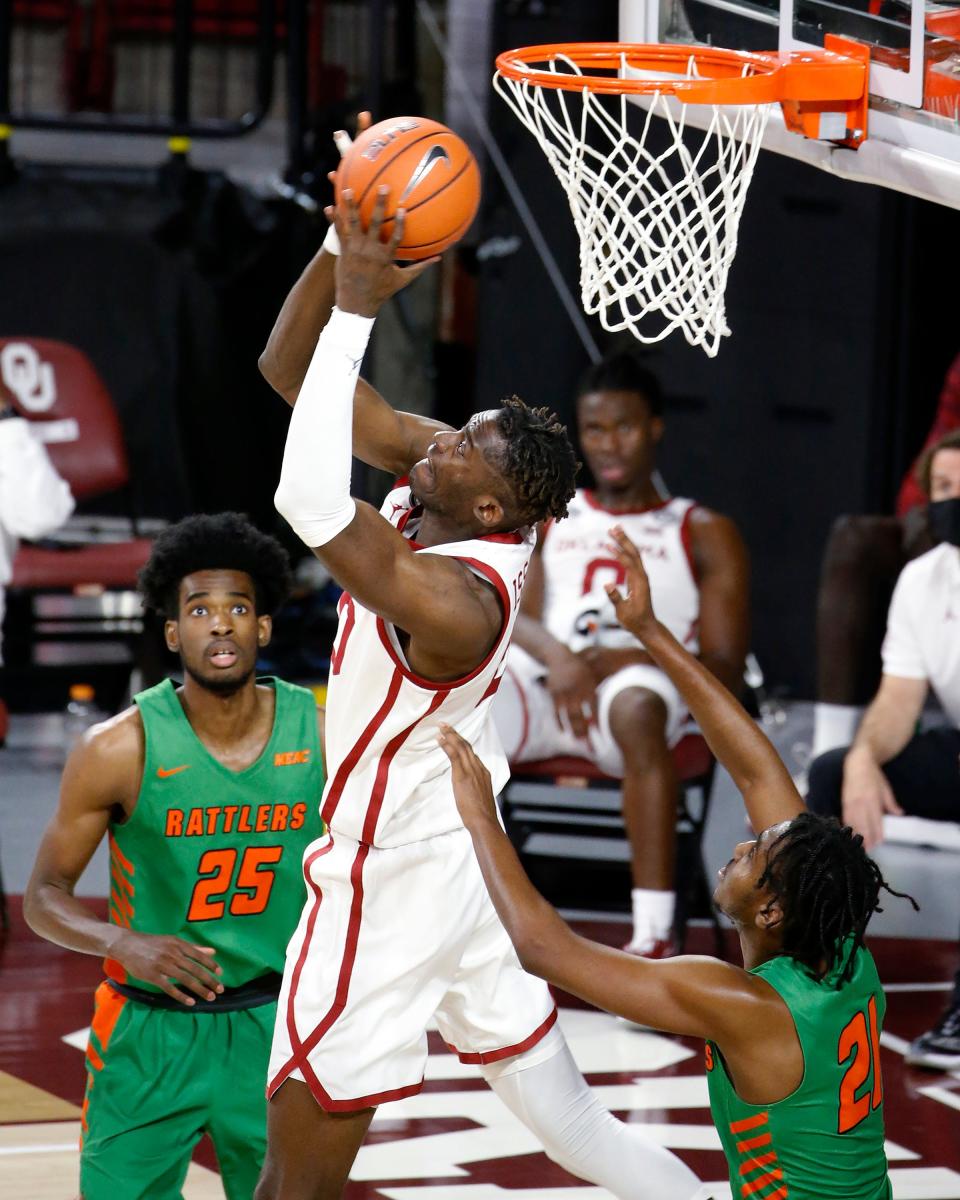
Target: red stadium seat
{"points": [[57, 388], [575, 804]]}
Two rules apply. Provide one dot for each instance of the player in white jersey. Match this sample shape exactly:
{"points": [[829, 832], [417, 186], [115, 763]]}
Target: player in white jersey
{"points": [[398, 929], [579, 684]]}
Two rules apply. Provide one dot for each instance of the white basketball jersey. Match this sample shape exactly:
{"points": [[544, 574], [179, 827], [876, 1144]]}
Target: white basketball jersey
{"points": [[578, 564], [388, 781]]}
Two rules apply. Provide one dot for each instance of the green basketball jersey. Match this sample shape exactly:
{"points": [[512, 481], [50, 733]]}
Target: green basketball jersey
{"points": [[826, 1138], [212, 855]]}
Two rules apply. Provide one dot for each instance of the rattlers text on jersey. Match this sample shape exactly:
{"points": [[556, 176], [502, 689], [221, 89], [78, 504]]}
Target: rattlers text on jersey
{"points": [[388, 780], [578, 563]]}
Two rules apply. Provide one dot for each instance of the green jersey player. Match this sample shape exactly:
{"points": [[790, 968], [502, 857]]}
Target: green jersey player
{"points": [[208, 795], [792, 1039]]}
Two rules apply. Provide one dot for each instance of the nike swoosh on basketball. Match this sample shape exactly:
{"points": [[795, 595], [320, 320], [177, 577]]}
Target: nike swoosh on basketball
{"points": [[163, 772], [434, 155]]}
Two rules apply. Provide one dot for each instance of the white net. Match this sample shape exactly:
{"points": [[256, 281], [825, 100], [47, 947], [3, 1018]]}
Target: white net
{"points": [[657, 222]]}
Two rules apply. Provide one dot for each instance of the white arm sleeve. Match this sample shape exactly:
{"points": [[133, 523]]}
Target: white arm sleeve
{"points": [[314, 490]]}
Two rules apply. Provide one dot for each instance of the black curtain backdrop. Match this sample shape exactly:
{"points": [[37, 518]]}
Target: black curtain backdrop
{"points": [[170, 284]]}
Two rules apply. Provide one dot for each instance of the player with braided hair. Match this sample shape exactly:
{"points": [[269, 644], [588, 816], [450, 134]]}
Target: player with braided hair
{"points": [[529, 459], [398, 929], [793, 1038], [828, 889]]}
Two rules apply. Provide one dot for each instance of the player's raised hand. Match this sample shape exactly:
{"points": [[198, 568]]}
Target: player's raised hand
{"points": [[635, 608], [367, 275], [471, 779], [166, 961]]}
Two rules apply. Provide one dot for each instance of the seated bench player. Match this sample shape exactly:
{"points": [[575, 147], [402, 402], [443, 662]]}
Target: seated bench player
{"points": [[577, 683]]}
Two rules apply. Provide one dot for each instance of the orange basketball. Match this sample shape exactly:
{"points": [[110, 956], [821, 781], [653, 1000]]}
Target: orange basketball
{"points": [[431, 175]]}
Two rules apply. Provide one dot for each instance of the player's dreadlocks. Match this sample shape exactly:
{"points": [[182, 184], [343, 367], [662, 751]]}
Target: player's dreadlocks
{"points": [[225, 541], [538, 461], [829, 888]]}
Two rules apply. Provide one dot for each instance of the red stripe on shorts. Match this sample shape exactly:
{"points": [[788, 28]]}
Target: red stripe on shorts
{"points": [[492, 1056], [302, 1049]]}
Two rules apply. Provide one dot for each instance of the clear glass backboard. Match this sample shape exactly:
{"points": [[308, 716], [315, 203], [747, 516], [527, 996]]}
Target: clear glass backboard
{"points": [[913, 141]]}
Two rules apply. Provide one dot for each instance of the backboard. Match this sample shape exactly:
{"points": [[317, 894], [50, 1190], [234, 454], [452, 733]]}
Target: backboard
{"points": [[913, 141]]}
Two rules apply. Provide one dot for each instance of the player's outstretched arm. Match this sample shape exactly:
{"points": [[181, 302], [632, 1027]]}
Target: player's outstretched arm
{"points": [[701, 997], [382, 437], [453, 618], [755, 766], [102, 772]]}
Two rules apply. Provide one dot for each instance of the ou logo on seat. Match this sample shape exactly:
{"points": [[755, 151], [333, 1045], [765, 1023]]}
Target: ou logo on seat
{"points": [[30, 379]]}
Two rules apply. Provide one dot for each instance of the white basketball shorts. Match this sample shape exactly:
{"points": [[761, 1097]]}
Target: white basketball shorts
{"points": [[387, 941], [527, 723]]}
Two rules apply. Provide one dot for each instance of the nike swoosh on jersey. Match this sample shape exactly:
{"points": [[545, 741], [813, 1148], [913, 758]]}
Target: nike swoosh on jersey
{"points": [[163, 773], [434, 155]]}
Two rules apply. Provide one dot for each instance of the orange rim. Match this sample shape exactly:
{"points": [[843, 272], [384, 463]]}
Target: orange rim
{"points": [[801, 75]]}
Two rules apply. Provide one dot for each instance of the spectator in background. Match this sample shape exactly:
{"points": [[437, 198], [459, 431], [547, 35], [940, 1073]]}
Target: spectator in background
{"points": [[34, 500], [863, 557], [576, 681], [890, 768]]}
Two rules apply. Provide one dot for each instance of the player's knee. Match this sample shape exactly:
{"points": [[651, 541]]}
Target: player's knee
{"points": [[638, 723], [825, 786]]}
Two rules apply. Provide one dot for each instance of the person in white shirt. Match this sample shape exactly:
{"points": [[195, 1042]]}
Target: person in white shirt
{"points": [[577, 683], [34, 500], [890, 768]]}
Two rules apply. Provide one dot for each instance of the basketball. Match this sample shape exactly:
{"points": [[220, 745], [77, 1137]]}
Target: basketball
{"points": [[431, 175]]}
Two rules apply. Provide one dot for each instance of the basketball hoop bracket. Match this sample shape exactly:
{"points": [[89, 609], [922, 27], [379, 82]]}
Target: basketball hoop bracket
{"points": [[840, 119]]}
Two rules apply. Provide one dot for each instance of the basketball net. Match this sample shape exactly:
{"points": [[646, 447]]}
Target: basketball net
{"points": [[657, 227]]}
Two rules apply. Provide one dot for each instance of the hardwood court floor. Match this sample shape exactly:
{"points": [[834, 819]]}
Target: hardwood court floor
{"points": [[455, 1141]]}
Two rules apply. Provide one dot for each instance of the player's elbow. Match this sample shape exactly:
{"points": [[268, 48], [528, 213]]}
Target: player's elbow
{"points": [[270, 370], [33, 905], [314, 522], [266, 365], [533, 953], [540, 948]]}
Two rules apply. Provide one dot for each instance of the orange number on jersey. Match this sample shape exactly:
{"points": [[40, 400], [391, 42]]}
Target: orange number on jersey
{"points": [[708, 1055], [209, 894], [209, 899], [340, 646], [254, 884], [864, 1047], [875, 1047]]}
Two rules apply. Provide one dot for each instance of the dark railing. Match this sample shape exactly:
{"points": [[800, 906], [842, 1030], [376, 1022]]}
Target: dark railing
{"points": [[191, 69], [180, 24]]}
